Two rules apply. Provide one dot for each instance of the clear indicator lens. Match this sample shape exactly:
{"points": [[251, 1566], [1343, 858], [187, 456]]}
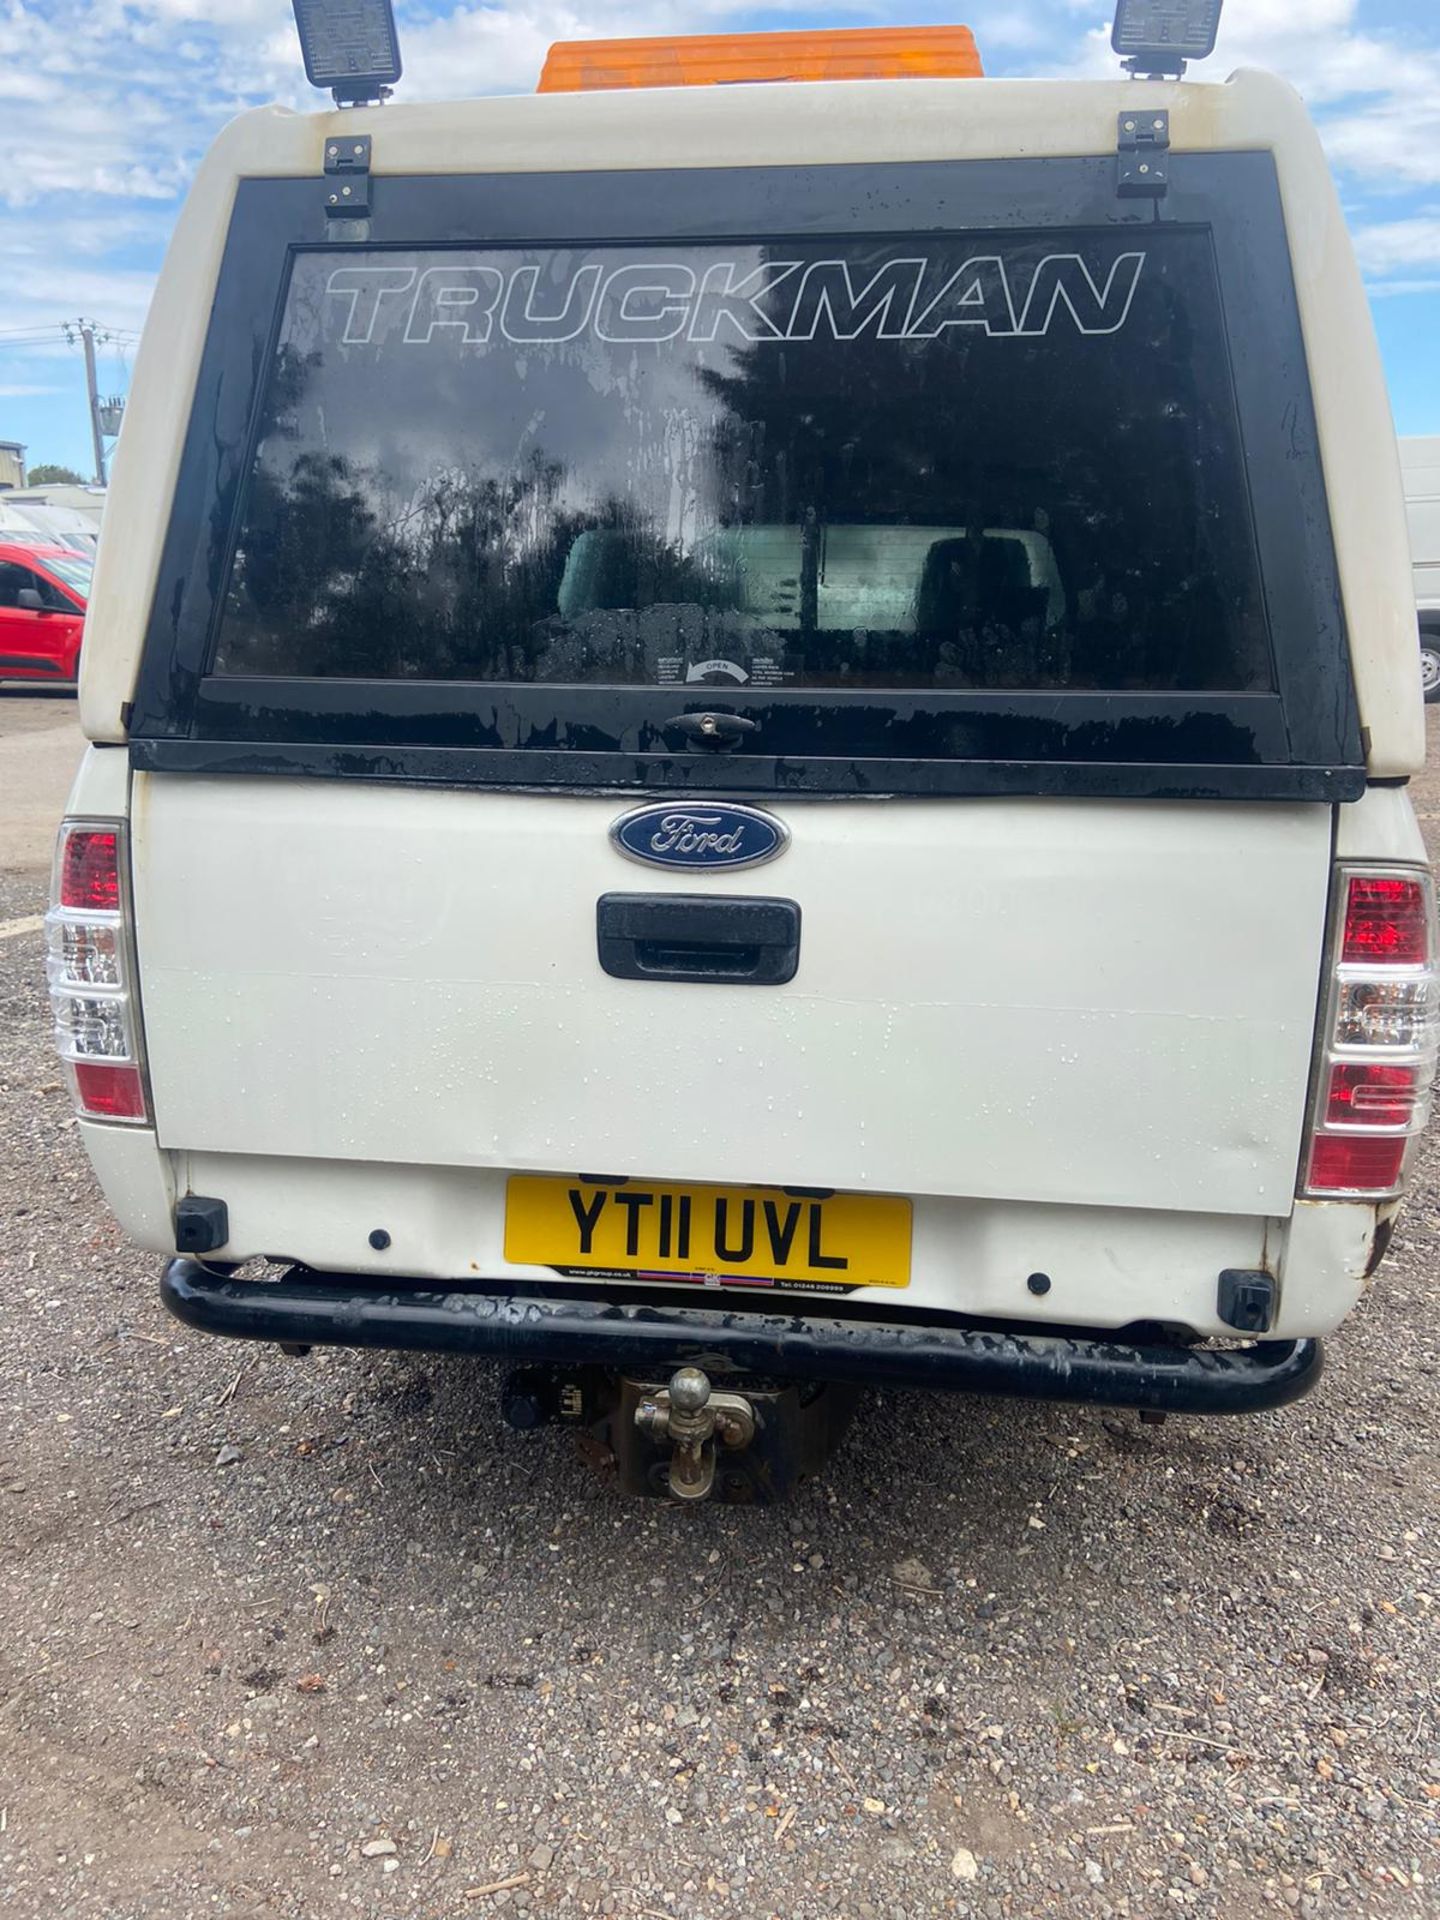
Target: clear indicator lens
{"points": [[1388, 1013], [87, 1028], [84, 954]]}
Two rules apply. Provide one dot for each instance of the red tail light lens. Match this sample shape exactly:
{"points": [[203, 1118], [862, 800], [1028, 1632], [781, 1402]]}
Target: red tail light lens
{"points": [[109, 1093], [1386, 922], [90, 870], [1357, 1163], [1366, 1094], [1383, 1024]]}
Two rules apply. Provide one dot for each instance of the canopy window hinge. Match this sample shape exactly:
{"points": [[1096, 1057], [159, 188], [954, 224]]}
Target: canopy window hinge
{"points": [[1142, 147], [347, 176]]}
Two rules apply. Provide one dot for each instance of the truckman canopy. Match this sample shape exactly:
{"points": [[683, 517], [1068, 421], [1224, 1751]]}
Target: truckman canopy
{"points": [[961, 477]]}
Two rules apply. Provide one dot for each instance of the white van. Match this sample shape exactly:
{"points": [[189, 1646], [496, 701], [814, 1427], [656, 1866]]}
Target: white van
{"points": [[1420, 471], [756, 737]]}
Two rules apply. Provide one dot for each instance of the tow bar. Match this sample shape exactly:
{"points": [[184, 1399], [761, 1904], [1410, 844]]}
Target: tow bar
{"points": [[693, 1418], [747, 1444]]}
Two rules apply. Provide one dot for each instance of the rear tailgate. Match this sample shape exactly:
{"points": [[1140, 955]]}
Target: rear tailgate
{"points": [[1109, 1003]]}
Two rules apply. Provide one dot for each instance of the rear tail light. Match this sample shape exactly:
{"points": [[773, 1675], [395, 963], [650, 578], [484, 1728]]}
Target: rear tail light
{"points": [[90, 966], [1381, 1031]]}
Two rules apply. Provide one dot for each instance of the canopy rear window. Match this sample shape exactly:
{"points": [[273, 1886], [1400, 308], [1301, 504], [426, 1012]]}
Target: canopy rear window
{"points": [[945, 494], [876, 465]]}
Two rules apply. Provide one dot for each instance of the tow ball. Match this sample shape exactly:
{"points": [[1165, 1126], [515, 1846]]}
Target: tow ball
{"points": [[681, 1439], [696, 1421]]}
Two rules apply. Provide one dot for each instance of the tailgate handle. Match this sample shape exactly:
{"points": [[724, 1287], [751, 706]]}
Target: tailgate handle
{"points": [[696, 937]]}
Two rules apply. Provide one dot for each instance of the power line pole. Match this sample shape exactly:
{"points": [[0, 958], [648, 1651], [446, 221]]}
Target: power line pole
{"points": [[97, 439], [86, 329]]}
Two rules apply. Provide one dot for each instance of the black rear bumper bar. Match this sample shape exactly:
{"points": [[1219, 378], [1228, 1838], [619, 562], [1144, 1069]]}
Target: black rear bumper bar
{"points": [[653, 1338]]}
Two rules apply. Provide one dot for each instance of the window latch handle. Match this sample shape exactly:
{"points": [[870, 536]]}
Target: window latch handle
{"points": [[713, 730]]}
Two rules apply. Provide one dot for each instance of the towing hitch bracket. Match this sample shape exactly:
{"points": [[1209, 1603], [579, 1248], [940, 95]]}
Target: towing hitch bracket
{"points": [[695, 1420]]}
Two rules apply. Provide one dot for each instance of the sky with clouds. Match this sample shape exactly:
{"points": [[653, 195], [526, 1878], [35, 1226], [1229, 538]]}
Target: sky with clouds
{"points": [[106, 106]]}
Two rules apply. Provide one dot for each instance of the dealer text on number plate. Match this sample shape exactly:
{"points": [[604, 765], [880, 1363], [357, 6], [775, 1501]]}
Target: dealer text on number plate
{"points": [[745, 1236]]}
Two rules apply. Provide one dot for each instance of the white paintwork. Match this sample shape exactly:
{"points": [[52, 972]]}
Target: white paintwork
{"points": [[101, 787], [137, 1178], [1324, 1252], [1380, 826], [1105, 1002], [789, 125], [1107, 1266]]}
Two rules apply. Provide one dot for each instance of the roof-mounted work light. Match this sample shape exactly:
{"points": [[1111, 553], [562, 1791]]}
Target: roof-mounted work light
{"points": [[349, 46], [1157, 37]]}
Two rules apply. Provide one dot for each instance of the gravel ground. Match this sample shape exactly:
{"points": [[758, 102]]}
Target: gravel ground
{"points": [[40, 745], [288, 1637]]}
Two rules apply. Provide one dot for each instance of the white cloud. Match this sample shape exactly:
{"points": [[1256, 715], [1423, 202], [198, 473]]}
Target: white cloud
{"points": [[1413, 242], [1015, 28], [492, 49], [242, 16], [1395, 142], [65, 264]]}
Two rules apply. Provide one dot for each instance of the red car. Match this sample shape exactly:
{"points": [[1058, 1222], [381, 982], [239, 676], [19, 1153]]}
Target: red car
{"points": [[43, 590]]}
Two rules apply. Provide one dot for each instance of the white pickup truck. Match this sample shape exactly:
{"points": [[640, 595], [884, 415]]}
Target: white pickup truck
{"points": [[753, 738]]}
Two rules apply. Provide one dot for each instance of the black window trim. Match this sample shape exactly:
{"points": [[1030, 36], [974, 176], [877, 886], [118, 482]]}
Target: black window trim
{"points": [[1301, 742]]}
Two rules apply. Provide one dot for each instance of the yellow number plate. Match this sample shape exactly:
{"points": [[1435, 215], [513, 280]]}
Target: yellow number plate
{"points": [[746, 1236]]}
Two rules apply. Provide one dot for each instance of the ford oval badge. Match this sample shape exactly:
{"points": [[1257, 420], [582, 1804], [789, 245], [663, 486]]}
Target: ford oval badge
{"points": [[699, 838]]}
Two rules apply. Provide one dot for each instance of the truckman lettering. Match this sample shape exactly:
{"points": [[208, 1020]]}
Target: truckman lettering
{"points": [[910, 298]]}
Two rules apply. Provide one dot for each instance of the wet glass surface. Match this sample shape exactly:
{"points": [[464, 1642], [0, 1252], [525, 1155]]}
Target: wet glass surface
{"points": [[1011, 463]]}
